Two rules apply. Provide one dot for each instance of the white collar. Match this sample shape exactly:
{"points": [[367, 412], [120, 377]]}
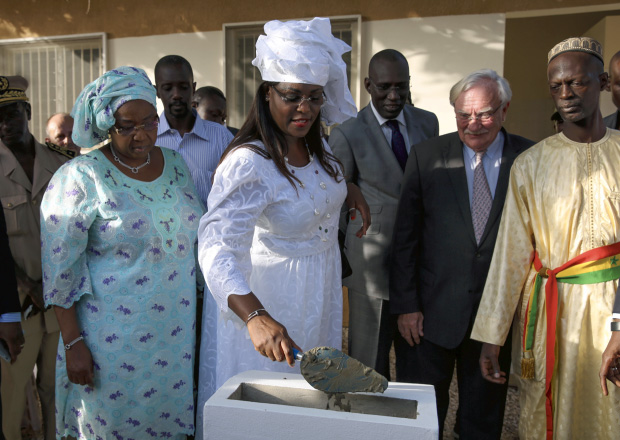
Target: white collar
{"points": [[400, 118]]}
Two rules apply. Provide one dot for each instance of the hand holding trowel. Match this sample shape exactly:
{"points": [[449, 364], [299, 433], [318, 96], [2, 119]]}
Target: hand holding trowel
{"points": [[330, 370]]}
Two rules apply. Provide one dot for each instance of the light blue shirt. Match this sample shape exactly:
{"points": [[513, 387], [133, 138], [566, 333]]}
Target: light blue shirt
{"points": [[387, 131], [491, 162], [201, 148]]}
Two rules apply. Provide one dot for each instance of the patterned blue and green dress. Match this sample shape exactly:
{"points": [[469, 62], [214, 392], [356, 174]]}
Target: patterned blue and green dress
{"points": [[123, 251]]}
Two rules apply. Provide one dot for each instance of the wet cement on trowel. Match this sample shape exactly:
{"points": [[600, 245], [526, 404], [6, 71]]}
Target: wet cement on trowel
{"points": [[332, 371]]}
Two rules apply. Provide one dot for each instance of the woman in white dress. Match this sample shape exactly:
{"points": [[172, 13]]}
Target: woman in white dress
{"points": [[268, 245]]}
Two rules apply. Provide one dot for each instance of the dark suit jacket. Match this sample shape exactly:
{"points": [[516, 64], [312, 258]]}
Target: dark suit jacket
{"points": [[9, 299], [437, 267], [369, 162], [611, 121]]}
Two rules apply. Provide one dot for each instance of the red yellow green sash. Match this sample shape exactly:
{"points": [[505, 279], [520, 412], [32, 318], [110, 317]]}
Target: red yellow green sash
{"points": [[594, 266]]}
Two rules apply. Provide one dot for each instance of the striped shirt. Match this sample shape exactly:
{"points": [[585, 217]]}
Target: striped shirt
{"points": [[201, 148]]}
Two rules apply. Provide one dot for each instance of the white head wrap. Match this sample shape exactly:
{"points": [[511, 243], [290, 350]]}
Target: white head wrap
{"points": [[306, 52]]}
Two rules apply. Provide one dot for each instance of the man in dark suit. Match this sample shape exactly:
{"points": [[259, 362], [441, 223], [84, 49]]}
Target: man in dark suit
{"points": [[448, 216], [373, 149], [613, 121]]}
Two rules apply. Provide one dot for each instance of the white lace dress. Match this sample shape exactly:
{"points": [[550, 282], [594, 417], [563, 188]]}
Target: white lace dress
{"points": [[261, 235]]}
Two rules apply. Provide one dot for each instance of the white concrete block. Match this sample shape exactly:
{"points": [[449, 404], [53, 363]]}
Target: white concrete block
{"points": [[272, 406]]}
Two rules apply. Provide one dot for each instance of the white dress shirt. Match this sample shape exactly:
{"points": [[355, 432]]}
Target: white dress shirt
{"points": [[387, 131]]}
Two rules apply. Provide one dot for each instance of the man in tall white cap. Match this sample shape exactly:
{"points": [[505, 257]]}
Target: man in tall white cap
{"points": [[26, 166], [556, 262]]}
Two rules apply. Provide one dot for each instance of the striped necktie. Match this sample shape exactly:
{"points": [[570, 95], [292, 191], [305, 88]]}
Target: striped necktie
{"points": [[481, 199]]}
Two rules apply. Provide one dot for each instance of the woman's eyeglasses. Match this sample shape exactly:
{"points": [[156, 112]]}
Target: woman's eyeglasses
{"points": [[296, 100], [128, 131]]}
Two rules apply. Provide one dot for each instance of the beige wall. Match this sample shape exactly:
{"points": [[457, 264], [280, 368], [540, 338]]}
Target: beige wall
{"points": [[528, 39], [607, 31], [440, 50]]}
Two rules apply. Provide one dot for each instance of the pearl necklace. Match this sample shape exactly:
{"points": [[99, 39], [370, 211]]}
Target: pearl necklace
{"points": [[133, 169]]}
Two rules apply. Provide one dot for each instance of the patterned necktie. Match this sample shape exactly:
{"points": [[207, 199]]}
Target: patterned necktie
{"points": [[398, 143], [482, 200]]}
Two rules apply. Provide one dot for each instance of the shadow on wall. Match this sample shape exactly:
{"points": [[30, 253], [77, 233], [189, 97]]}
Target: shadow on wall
{"points": [[441, 51], [528, 40]]}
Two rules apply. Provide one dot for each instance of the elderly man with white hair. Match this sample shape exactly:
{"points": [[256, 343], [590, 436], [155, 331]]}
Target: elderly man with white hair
{"points": [[448, 216]]}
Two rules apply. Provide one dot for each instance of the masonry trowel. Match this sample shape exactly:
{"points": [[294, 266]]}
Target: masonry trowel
{"points": [[330, 370]]}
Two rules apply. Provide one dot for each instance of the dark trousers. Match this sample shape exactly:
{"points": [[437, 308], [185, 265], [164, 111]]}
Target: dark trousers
{"points": [[481, 403], [371, 331]]}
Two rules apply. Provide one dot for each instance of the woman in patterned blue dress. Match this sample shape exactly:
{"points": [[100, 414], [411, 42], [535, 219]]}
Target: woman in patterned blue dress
{"points": [[118, 232]]}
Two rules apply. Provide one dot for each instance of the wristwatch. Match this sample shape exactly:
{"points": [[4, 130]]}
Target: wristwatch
{"points": [[72, 343], [615, 326]]}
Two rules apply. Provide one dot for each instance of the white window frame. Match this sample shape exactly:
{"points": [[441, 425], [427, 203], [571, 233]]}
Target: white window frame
{"points": [[234, 31], [66, 88]]}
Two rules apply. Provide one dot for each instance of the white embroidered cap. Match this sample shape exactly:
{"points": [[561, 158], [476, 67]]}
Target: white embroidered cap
{"points": [[306, 52]]}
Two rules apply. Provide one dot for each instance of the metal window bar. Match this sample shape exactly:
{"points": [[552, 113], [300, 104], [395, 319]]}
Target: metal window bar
{"points": [[57, 69]]}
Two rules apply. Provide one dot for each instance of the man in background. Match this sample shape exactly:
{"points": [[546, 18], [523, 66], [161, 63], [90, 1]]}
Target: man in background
{"points": [[26, 166], [200, 142], [373, 149], [210, 103], [59, 129]]}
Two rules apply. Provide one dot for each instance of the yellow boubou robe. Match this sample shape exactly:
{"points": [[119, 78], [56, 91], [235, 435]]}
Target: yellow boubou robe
{"points": [[563, 200]]}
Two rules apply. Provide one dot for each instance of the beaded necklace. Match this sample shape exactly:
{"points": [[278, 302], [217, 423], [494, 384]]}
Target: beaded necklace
{"points": [[133, 169]]}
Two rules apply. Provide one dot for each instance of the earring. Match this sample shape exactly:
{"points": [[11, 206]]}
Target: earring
{"points": [[267, 98]]}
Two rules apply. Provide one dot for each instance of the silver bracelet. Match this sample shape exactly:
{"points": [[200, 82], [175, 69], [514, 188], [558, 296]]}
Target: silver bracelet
{"points": [[254, 314], [72, 343], [615, 326]]}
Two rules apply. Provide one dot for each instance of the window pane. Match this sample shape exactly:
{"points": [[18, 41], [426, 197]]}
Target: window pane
{"points": [[243, 79], [57, 70]]}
